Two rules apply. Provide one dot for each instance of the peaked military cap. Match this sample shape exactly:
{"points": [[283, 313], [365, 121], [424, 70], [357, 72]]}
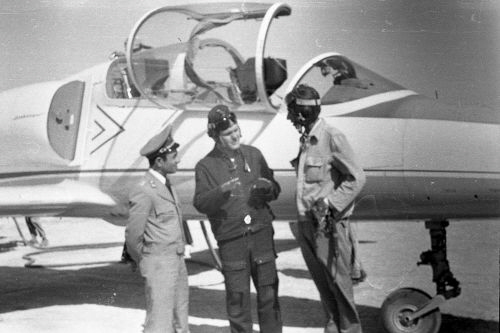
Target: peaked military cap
{"points": [[161, 143]]}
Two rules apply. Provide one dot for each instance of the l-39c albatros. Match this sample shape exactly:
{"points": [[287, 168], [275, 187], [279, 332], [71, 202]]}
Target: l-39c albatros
{"points": [[70, 147]]}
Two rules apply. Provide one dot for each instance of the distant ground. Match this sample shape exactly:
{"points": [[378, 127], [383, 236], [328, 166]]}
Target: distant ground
{"points": [[79, 286]]}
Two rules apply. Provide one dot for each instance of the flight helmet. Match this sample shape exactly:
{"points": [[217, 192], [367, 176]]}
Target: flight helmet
{"points": [[220, 118], [304, 105]]}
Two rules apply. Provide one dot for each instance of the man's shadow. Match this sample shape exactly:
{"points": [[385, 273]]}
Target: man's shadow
{"points": [[116, 285]]}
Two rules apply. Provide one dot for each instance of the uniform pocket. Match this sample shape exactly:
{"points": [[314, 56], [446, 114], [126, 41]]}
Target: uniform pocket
{"points": [[165, 211], [316, 169], [165, 227], [235, 275], [266, 270]]}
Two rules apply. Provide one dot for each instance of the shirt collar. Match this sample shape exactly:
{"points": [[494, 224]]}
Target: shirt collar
{"points": [[312, 137], [158, 176], [316, 128]]}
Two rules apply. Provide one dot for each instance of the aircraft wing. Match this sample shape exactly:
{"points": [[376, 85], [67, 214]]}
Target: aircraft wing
{"points": [[68, 198]]}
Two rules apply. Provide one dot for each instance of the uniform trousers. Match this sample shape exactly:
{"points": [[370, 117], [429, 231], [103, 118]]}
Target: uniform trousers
{"points": [[330, 268], [167, 293], [251, 256]]}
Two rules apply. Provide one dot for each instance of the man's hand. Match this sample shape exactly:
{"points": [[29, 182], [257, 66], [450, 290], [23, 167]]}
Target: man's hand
{"points": [[262, 186], [133, 266], [187, 251], [320, 209], [231, 185], [261, 191]]}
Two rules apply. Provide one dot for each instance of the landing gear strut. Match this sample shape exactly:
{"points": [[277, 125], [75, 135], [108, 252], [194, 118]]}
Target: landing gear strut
{"points": [[412, 310], [211, 247]]}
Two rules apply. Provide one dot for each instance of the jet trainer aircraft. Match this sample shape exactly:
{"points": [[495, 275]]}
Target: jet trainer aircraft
{"points": [[70, 147]]}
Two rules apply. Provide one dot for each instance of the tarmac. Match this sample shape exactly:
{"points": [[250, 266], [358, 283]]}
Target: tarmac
{"points": [[78, 285]]}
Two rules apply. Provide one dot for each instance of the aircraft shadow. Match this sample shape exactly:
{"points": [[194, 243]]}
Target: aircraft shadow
{"points": [[116, 285]]}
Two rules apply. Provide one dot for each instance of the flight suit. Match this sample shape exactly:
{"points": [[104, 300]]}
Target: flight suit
{"points": [[328, 169], [155, 240], [242, 226]]}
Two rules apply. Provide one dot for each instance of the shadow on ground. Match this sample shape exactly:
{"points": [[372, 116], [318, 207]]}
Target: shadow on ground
{"points": [[116, 285]]}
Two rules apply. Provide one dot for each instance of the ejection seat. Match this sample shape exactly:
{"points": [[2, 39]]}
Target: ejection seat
{"points": [[275, 73], [151, 72], [156, 72]]}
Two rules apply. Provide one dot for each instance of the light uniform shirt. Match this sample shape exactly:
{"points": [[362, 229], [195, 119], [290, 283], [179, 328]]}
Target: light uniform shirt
{"points": [[327, 169], [158, 176], [155, 219]]}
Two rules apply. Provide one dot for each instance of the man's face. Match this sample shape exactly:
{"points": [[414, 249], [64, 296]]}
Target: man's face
{"points": [[296, 118], [327, 70], [230, 137], [169, 163]]}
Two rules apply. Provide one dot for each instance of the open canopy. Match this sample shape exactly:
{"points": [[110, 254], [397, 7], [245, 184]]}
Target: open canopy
{"points": [[201, 55], [339, 80]]}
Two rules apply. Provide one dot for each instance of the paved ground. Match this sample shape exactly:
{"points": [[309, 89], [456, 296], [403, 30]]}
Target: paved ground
{"points": [[79, 286]]}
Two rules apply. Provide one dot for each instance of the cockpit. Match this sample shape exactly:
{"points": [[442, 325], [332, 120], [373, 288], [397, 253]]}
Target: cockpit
{"points": [[200, 55], [339, 80]]}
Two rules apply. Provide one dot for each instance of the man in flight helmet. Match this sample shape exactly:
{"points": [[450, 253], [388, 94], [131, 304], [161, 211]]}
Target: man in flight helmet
{"points": [[339, 69], [234, 185], [304, 106], [328, 180]]}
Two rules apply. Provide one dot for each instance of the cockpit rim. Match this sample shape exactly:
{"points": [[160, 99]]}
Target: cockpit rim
{"points": [[279, 9]]}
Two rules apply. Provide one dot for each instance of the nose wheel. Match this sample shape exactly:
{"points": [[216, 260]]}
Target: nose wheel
{"points": [[399, 308], [410, 310]]}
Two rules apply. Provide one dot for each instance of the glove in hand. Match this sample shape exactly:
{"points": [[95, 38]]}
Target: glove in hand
{"points": [[320, 209], [261, 191]]}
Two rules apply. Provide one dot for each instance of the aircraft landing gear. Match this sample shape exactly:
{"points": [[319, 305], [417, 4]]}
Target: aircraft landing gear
{"points": [[211, 246], [401, 305], [411, 310]]}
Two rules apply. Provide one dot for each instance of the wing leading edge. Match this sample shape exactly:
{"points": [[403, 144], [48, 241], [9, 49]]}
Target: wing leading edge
{"points": [[68, 198]]}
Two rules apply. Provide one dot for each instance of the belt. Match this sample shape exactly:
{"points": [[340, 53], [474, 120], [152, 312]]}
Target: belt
{"points": [[310, 216], [251, 230], [248, 231]]}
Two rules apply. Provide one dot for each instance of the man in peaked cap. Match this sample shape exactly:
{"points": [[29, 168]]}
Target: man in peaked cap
{"points": [[155, 238], [234, 185]]}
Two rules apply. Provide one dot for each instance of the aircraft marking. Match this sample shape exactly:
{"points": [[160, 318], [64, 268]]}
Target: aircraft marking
{"points": [[365, 102], [22, 116], [102, 129], [106, 124], [408, 105]]}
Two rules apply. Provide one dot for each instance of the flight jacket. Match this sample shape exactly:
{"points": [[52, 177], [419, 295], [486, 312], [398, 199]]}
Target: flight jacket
{"points": [[234, 213], [328, 168]]}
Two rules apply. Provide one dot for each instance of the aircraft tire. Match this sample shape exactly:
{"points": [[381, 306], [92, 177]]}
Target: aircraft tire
{"points": [[403, 302]]}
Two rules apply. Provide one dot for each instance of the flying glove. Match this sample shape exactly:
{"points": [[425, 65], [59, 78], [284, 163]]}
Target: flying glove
{"points": [[261, 191]]}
